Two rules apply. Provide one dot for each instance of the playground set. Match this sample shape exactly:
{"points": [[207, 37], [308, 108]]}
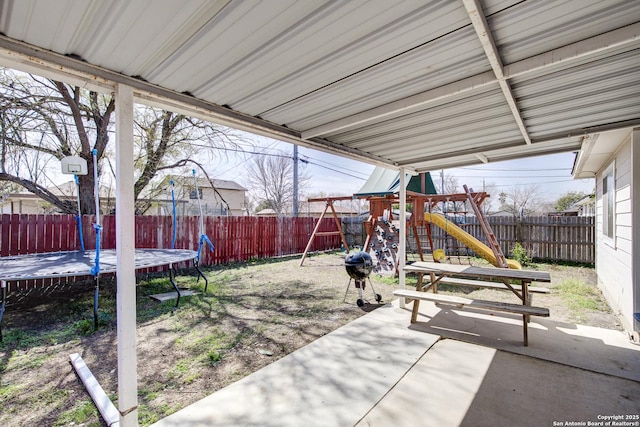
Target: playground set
{"points": [[428, 210]]}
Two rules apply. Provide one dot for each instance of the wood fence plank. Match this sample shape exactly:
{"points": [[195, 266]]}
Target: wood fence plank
{"points": [[243, 238]]}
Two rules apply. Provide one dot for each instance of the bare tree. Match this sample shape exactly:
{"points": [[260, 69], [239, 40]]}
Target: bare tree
{"points": [[446, 183], [270, 179], [44, 120], [169, 141], [521, 200]]}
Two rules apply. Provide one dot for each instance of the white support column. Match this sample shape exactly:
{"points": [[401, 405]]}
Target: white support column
{"points": [[125, 252], [635, 230], [402, 252]]}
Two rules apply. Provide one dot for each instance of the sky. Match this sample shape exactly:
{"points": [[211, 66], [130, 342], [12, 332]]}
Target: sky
{"points": [[334, 175]]}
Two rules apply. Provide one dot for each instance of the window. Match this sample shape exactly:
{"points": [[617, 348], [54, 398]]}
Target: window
{"points": [[608, 203], [193, 195]]}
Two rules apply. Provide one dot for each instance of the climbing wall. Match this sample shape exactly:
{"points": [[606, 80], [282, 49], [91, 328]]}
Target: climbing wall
{"points": [[383, 247]]}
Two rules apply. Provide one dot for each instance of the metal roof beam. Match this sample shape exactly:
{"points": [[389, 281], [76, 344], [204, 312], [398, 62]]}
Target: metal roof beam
{"points": [[587, 47], [32, 59], [403, 105], [479, 21]]}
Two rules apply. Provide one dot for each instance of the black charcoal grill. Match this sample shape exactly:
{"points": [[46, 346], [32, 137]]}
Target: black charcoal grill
{"points": [[359, 266]]}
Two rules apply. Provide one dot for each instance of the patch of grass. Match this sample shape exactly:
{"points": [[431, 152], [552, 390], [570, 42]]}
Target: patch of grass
{"points": [[24, 339], [48, 396], [83, 411], [215, 357], [27, 361], [84, 327], [7, 391], [148, 415], [580, 296], [147, 394], [180, 368]]}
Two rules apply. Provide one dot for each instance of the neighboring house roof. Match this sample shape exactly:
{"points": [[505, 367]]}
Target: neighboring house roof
{"points": [[69, 189], [318, 207], [587, 200], [267, 212], [220, 184], [66, 190], [500, 213], [217, 183]]}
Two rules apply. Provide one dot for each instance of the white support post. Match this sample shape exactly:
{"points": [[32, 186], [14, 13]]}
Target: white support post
{"points": [[402, 250], [635, 227], [125, 253]]}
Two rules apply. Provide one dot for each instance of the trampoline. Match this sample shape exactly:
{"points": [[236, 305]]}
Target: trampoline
{"points": [[51, 265], [78, 263]]}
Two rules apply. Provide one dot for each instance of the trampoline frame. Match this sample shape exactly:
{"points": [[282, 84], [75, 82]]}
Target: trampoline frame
{"points": [[51, 265]]}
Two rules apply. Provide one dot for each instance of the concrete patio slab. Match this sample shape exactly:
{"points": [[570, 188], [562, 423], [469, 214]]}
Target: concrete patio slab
{"points": [[333, 381], [600, 350], [438, 390], [462, 384], [380, 370]]}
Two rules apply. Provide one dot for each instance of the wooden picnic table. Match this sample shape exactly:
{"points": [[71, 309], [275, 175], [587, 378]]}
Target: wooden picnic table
{"points": [[517, 281]]}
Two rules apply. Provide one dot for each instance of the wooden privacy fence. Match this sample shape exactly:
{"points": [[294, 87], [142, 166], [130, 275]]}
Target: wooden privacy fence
{"points": [[235, 238], [545, 238]]}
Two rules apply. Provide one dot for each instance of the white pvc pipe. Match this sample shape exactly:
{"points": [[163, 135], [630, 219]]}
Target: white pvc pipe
{"points": [[106, 408]]}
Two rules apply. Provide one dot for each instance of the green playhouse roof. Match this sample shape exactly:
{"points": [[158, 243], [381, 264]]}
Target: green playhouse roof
{"points": [[383, 181]]}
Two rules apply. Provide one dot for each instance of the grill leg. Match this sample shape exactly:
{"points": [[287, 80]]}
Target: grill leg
{"points": [[346, 291]]}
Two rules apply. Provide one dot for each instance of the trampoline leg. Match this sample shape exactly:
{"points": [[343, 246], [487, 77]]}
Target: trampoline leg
{"points": [[96, 291], [201, 274], [172, 273], [4, 300]]}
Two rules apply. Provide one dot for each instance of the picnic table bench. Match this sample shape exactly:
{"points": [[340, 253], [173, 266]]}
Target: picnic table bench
{"points": [[517, 281]]}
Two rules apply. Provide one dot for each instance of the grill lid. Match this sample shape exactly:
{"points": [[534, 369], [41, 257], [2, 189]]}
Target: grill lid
{"points": [[359, 265]]}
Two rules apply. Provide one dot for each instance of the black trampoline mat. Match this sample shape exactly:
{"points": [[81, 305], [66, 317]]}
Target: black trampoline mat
{"points": [[77, 263]]}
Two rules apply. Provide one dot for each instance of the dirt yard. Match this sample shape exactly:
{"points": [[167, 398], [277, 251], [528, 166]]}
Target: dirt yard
{"points": [[251, 315]]}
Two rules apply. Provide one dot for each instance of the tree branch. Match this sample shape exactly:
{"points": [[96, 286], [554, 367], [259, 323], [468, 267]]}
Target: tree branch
{"points": [[40, 191]]}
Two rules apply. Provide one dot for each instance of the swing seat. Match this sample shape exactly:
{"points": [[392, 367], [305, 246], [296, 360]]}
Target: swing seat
{"points": [[439, 255]]}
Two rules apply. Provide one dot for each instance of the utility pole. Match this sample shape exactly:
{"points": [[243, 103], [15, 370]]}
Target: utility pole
{"points": [[484, 190], [295, 180], [442, 189]]}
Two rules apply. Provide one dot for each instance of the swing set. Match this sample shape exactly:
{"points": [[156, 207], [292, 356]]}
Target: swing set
{"points": [[383, 227]]}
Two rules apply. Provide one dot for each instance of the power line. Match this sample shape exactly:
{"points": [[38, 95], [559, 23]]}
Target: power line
{"points": [[275, 155], [327, 163], [335, 170], [238, 150], [514, 170], [533, 183], [512, 177]]}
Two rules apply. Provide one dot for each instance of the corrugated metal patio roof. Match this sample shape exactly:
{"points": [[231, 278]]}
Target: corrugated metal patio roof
{"points": [[417, 84]]}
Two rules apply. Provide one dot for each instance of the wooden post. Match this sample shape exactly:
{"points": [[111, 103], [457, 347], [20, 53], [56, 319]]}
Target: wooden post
{"points": [[328, 204], [338, 225]]}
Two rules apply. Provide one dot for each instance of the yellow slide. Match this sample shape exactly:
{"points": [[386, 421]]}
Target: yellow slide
{"points": [[467, 239]]}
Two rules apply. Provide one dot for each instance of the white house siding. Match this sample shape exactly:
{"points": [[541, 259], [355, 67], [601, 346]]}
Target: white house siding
{"points": [[614, 259]]}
